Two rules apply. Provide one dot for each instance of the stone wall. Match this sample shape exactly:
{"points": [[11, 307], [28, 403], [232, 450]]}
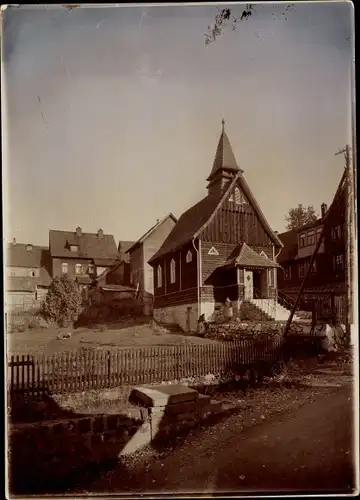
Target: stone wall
{"points": [[178, 315]]}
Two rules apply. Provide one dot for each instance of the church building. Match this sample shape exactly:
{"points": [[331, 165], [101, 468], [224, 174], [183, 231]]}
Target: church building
{"points": [[221, 248]]}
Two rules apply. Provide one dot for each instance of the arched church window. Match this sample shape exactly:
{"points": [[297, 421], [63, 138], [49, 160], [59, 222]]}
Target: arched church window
{"points": [[188, 257], [159, 276], [172, 271]]}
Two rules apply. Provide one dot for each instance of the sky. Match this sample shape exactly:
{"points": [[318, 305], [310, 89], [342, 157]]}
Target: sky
{"points": [[112, 115]]}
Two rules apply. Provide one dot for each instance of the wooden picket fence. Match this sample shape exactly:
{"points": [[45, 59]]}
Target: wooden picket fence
{"points": [[98, 369]]}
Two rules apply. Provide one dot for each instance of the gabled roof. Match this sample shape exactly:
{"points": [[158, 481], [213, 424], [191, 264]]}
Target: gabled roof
{"points": [[124, 246], [290, 248], [224, 157], [150, 231], [19, 256], [194, 220], [244, 256], [90, 245]]}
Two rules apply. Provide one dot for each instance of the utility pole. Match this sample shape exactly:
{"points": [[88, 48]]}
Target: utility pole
{"points": [[349, 235]]}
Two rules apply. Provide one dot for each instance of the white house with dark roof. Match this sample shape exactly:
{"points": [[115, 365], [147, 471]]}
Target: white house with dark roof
{"points": [[27, 275]]}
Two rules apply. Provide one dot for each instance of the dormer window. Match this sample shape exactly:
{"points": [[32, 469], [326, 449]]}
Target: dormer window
{"points": [[172, 271], [188, 257], [311, 238], [29, 248], [302, 240]]}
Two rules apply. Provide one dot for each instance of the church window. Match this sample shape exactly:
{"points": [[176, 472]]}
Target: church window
{"points": [[159, 276], [172, 271], [188, 257], [238, 196]]}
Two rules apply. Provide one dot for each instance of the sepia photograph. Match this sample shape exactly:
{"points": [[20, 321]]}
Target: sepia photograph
{"points": [[180, 249]]}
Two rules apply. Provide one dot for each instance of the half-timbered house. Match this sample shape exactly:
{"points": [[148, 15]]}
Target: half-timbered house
{"points": [[222, 247]]}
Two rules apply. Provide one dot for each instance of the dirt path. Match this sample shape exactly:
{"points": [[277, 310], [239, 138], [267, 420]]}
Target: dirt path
{"points": [[308, 449]]}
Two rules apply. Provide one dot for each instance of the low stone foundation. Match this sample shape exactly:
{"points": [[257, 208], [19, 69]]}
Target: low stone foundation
{"points": [[178, 315]]}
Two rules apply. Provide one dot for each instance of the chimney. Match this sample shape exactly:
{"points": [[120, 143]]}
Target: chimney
{"points": [[323, 209], [78, 231], [100, 233], [157, 221], [14, 241]]}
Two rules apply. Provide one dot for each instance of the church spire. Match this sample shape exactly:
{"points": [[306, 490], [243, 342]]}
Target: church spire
{"points": [[224, 166]]}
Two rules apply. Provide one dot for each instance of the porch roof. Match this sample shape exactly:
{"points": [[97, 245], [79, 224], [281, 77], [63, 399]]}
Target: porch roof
{"points": [[245, 257]]}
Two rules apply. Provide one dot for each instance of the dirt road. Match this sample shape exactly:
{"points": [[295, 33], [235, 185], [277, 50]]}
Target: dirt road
{"points": [[309, 450]]}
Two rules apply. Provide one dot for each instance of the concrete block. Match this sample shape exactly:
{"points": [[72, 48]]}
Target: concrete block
{"points": [[184, 417], [186, 407], [140, 439], [163, 395], [202, 401]]}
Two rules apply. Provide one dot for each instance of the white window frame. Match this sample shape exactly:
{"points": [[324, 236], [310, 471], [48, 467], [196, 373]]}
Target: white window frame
{"points": [[78, 269], [172, 271], [65, 266], [270, 277], [189, 257], [159, 276], [237, 196]]}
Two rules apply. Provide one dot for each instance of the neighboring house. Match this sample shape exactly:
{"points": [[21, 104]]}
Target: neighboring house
{"points": [[27, 275], [327, 276], [82, 256], [223, 247], [123, 248], [141, 273]]}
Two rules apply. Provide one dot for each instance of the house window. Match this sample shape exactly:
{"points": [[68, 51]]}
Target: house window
{"points": [[237, 196], [311, 238], [339, 262], [159, 276], [32, 273], [91, 269], [335, 232], [287, 273], [302, 240], [302, 269], [77, 268], [73, 248], [270, 277], [64, 267], [188, 257], [231, 198], [172, 271]]}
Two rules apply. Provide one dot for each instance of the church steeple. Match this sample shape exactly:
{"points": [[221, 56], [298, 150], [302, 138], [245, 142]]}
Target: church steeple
{"points": [[224, 166]]}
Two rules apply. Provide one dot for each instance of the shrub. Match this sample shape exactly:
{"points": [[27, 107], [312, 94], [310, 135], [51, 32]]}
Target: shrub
{"points": [[62, 305]]}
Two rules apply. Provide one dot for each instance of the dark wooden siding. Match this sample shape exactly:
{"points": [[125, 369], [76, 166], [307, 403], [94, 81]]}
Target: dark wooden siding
{"points": [[234, 224], [188, 269], [181, 297], [186, 273]]}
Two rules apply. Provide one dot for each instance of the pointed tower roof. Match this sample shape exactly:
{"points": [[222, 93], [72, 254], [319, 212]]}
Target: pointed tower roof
{"points": [[224, 157]]}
